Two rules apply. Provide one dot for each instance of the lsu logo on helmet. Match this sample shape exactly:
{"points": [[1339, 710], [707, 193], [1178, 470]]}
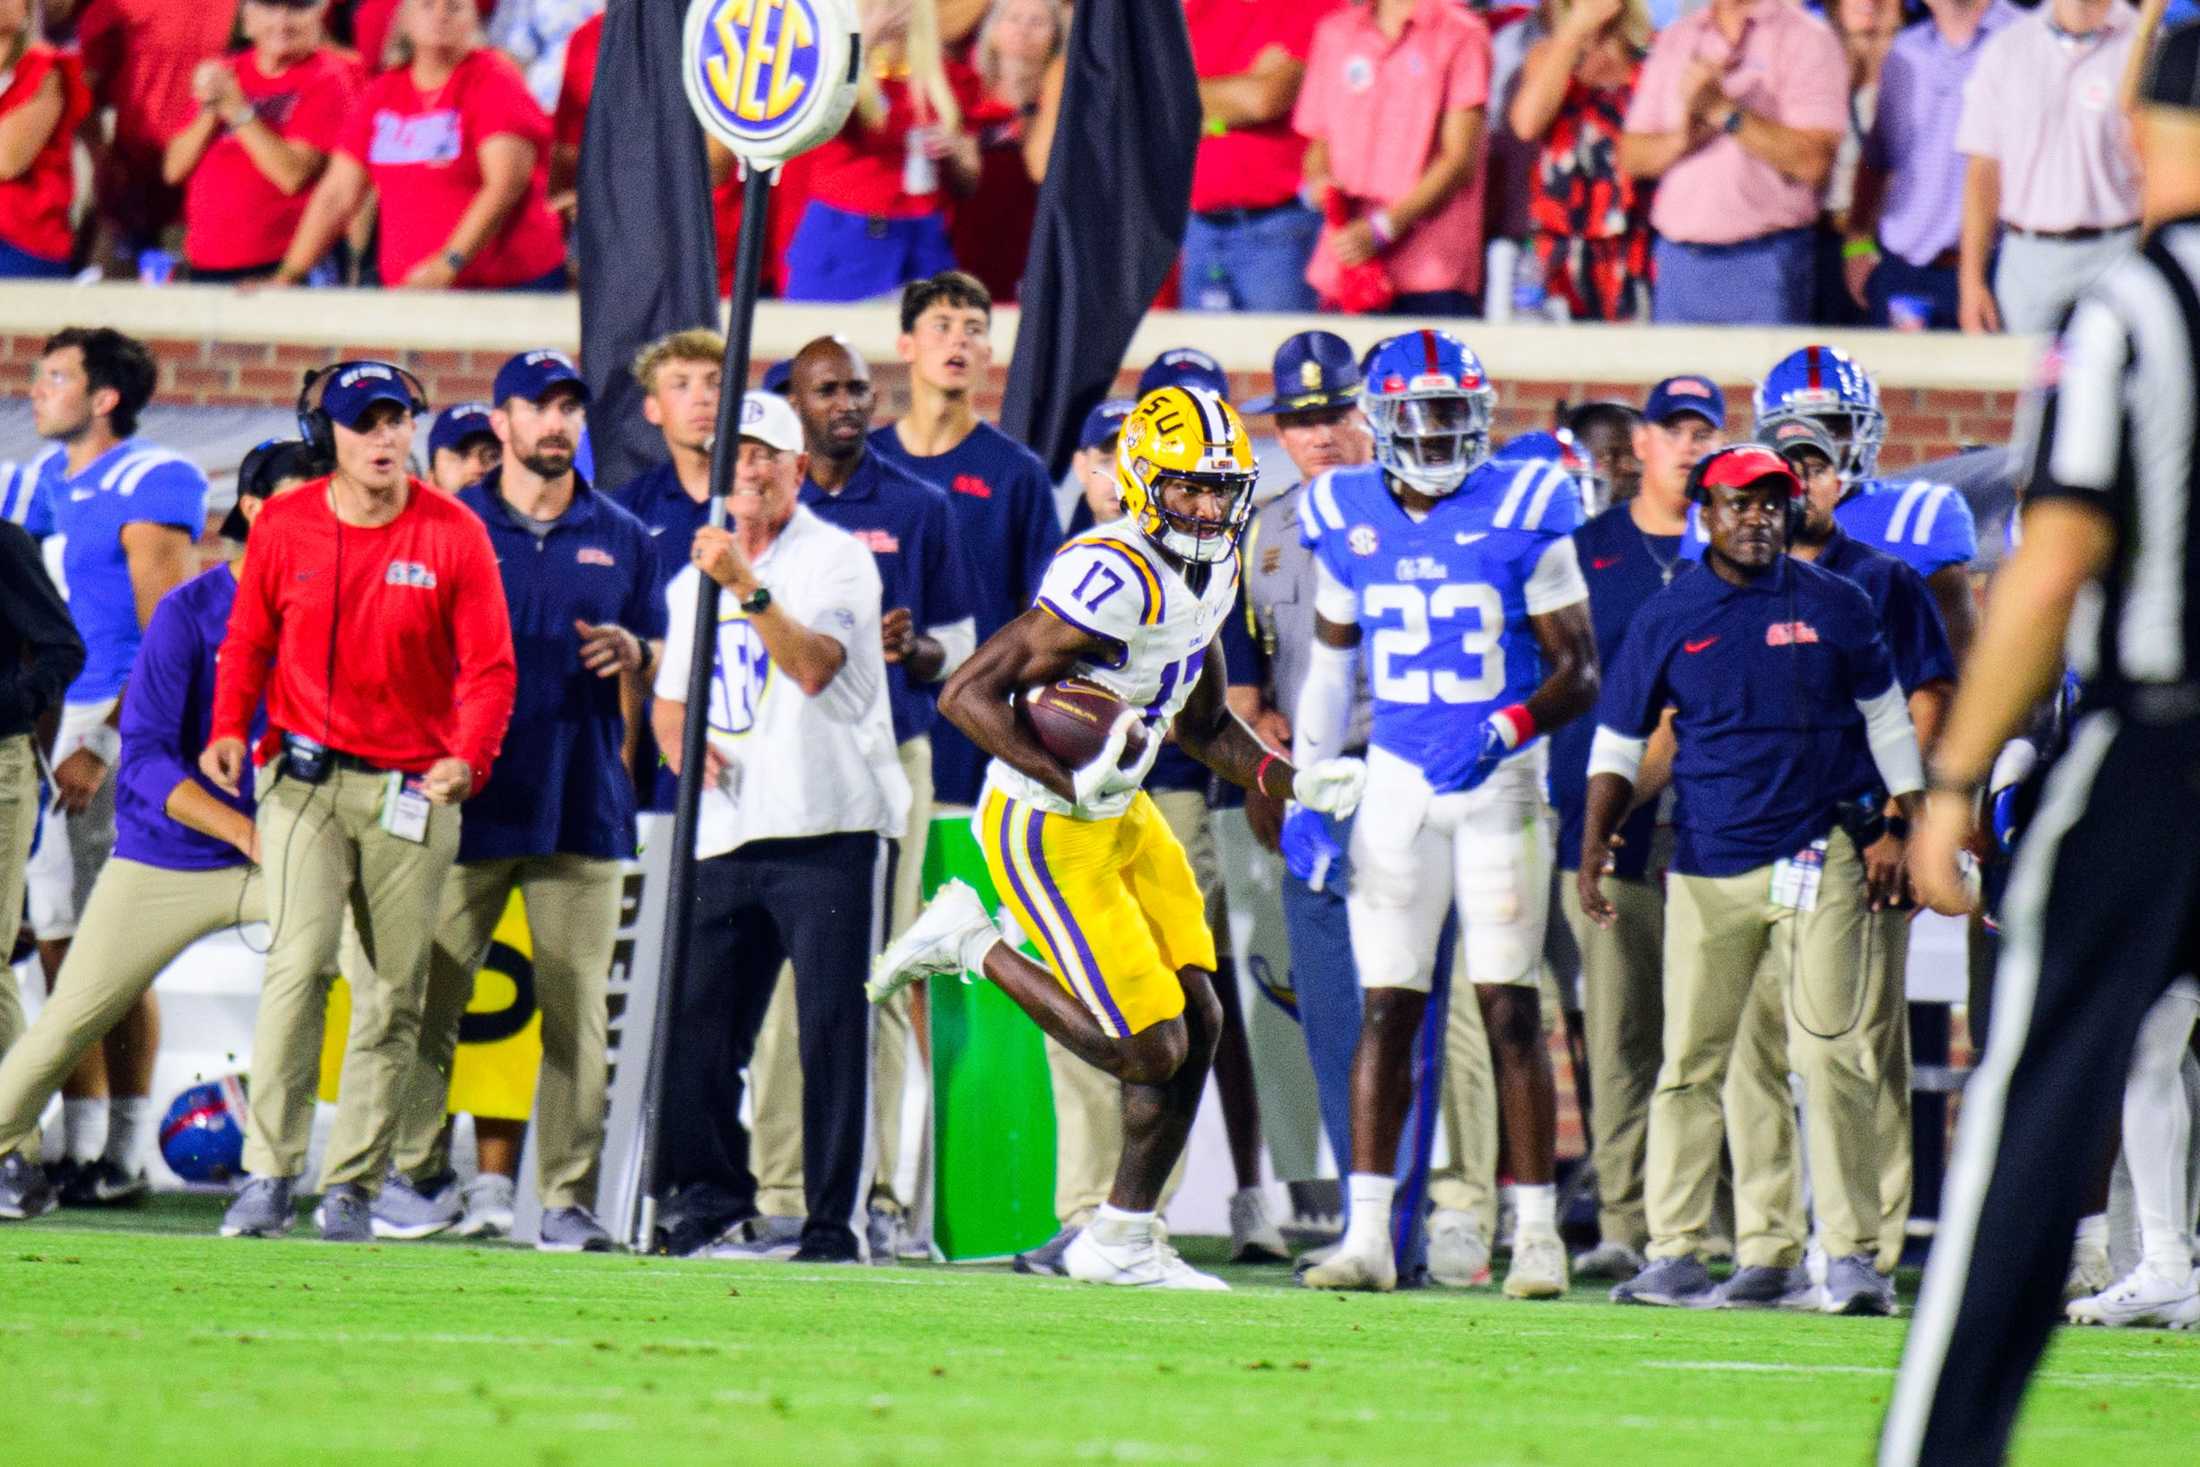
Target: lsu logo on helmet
{"points": [[1187, 434]]}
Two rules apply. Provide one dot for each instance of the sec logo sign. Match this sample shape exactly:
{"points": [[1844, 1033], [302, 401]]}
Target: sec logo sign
{"points": [[770, 78]]}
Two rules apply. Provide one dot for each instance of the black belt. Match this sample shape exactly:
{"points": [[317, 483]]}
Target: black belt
{"points": [[1245, 216], [2071, 236]]}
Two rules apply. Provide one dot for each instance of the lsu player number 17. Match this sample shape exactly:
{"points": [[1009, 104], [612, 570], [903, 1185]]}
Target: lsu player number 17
{"points": [[1459, 575], [1081, 857]]}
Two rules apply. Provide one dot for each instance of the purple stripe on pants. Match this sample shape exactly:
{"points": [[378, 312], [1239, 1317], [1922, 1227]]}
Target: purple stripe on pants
{"points": [[1032, 844]]}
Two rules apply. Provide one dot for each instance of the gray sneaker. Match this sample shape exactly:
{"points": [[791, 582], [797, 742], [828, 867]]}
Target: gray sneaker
{"points": [[1674, 1283], [1854, 1286], [24, 1191], [571, 1230], [1046, 1259], [406, 1211], [262, 1210], [346, 1214], [887, 1232], [1609, 1261], [1761, 1286], [486, 1207]]}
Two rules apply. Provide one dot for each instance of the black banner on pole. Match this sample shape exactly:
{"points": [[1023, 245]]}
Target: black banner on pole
{"points": [[1111, 215]]}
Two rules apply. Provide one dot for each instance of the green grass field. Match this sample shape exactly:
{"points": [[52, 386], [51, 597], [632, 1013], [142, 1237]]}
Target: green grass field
{"points": [[143, 1339]]}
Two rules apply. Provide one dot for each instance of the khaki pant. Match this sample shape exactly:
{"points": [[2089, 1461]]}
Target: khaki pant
{"points": [[1887, 1032], [1623, 1014], [326, 851], [1738, 970], [138, 919], [572, 922], [1468, 1183], [775, 1073], [18, 824]]}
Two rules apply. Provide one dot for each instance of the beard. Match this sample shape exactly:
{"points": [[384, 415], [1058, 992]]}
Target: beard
{"points": [[553, 462]]}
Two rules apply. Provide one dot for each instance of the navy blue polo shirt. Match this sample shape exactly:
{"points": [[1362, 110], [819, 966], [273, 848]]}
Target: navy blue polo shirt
{"points": [[656, 498], [1624, 568], [1909, 618], [1764, 679], [561, 788], [911, 534], [1003, 503]]}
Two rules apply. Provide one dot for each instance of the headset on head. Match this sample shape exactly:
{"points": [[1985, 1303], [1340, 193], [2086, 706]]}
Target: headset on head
{"points": [[1698, 494], [313, 420]]}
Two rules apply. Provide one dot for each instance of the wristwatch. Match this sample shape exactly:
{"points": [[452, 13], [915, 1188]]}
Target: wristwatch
{"points": [[1898, 827], [1733, 123], [757, 600], [455, 260]]}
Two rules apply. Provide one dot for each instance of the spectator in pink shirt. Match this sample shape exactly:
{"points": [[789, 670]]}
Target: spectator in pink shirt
{"points": [[1392, 109], [2048, 159], [1738, 113]]}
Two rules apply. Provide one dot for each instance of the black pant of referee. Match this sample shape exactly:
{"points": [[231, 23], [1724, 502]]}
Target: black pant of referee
{"points": [[817, 902]]}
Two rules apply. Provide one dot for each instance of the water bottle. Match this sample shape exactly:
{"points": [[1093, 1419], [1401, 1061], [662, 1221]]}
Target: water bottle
{"points": [[919, 174], [156, 267], [1528, 292]]}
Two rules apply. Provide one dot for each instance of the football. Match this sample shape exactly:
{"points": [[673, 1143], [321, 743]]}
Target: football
{"points": [[1071, 720]]}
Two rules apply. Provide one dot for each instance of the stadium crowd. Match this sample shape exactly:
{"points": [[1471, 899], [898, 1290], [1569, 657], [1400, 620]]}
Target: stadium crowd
{"points": [[1938, 164]]}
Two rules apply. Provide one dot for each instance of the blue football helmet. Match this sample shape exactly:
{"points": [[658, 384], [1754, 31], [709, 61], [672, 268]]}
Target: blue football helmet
{"points": [[1828, 386], [1560, 448], [202, 1136], [1430, 406]]}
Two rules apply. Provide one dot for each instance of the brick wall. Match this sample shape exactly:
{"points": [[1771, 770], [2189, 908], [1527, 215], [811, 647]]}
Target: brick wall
{"points": [[1923, 423]]}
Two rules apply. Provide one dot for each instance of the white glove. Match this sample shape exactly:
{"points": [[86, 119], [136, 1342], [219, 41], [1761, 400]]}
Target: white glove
{"points": [[1103, 776], [1332, 786]]}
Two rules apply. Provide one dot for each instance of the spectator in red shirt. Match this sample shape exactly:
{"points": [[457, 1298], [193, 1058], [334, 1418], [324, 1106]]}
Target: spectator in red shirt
{"points": [[877, 215], [42, 99], [1250, 236], [139, 57], [570, 120], [992, 231], [457, 152], [267, 120], [371, 25]]}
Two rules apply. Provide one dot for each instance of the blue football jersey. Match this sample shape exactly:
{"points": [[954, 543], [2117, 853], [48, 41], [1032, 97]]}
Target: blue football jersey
{"points": [[1925, 525], [1443, 603]]}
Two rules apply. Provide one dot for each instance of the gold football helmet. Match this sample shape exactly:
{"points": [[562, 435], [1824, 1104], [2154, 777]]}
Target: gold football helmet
{"points": [[1186, 435]]}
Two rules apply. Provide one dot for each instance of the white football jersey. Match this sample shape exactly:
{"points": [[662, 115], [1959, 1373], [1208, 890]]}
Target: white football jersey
{"points": [[1111, 583]]}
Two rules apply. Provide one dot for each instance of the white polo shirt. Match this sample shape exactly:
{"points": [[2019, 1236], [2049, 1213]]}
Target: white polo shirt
{"points": [[796, 765]]}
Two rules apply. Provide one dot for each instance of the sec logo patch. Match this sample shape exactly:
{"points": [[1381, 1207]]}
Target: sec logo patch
{"points": [[1362, 540]]}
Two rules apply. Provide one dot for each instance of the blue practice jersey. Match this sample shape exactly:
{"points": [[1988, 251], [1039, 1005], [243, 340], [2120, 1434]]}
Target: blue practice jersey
{"points": [[1444, 602]]}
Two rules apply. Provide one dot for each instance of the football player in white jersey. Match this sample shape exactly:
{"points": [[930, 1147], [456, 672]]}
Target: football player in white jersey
{"points": [[1081, 858]]}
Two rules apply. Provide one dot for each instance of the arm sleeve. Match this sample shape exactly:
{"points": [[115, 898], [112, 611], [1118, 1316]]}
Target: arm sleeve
{"points": [[1042, 527], [248, 647], [1467, 81], [1613, 752], [38, 517], [154, 757], [672, 668], [850, 617], [323, 110], [1556, 580], [488, 674], [1979, 125], [643, 613], [1248, 669], [172, 493], [1656, 105], [1920, 641], [949, 610], [355, 139], [499, 103], [1334, 601], [1893, 741], [1102, 588], [1310, 113], [33, 611], [1634, 695], [2082, 427], [1318, 724], [1815, 93]]}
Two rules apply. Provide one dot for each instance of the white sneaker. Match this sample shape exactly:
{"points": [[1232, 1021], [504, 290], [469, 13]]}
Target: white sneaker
{"points": [[1253, 1237], [1615, 1261], [1375, 1271], [1147, 1263], [1538, 1267], [935, 943], [2140, 1297], [2090, 1272], [1458, 1256], [486, 1208]]}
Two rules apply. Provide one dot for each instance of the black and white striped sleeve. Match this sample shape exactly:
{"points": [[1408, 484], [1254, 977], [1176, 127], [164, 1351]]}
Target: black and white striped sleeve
{"points": [[2081, 449]]}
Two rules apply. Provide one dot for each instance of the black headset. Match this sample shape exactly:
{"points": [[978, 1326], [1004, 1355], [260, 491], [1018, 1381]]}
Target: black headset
{"points": [[314, 425], [1699, 494]]}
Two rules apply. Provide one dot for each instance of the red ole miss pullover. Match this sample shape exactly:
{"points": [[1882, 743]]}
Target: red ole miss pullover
{"points": [[422, 655]]}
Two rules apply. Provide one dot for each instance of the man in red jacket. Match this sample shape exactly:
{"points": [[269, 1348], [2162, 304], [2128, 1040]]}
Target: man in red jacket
{"points": [[378, 603]]}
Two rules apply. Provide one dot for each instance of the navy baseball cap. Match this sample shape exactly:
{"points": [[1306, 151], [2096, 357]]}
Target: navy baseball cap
{"points": [[1314, 369], [1185, 366], [1690, 393], [532, 374], [779, 376], [457, 423], [1104, 422], [359, 386], [1790, 436], [267, 465]]}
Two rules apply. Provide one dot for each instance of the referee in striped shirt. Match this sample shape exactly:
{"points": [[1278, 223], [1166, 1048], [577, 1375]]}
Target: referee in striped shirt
{"points": [[2103, 908]]}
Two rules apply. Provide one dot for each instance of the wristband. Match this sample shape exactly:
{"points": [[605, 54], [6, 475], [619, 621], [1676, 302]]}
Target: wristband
{"points": [[1260, 774], [1733, 123], [240, 117], [1214, 127], [104, 743], [1941, 784], [1860, 249], [1515, 725], [1385, 231]]}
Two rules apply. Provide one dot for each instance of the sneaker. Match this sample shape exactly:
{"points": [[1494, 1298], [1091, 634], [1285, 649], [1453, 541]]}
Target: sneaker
{"points": [[935, 944], [2140, 1297], [105, 1183], [826, 1245], [1315, 1258], [887, 1232], [1761, 1286], [571, 1230], [346, 1214], [2090, 1271], [262, 1210], [24, 1191], [1253, 1238], [1046, 1259], [1671, 1283], [2185, 1315], [1854, 1285], [405, 1211], [1609, 1261], [61, 1173], [1146, 1263], [1458, 1256], [1374, 1270], [757, 1239], [1538, 1266], [485, 1208]]}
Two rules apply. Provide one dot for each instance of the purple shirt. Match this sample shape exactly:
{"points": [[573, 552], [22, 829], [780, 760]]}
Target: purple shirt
{"points": [[1913, 137], [165, 723]]}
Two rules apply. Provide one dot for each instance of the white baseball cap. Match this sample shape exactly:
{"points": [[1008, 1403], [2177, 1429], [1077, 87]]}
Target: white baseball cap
{"points": [[769, 419]]}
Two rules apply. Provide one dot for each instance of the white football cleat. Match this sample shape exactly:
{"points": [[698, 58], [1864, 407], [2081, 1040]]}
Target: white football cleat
{"points": [[1373, 1270], [2140, 1297], [1146, 1263], [2090, 1272], [1253, 1237], [936, 944], [1458, 1255], [1538, 1266]]}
